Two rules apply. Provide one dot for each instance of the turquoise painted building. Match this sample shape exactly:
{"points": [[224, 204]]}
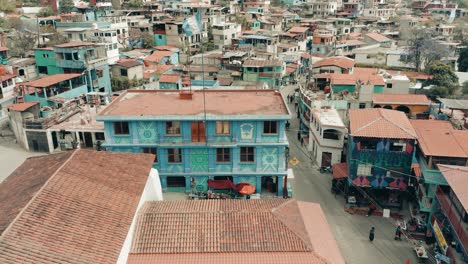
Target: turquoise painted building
{"points": [[269, 72], [45, 61], [3, 55], [88, 59], [216, 134]]}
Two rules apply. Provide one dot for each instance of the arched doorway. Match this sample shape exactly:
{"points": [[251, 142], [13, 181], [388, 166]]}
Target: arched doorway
{"points": [[403, 108], [388, 107], [377, 106]]}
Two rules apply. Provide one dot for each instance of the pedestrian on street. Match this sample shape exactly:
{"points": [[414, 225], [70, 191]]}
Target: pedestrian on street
{"points": [[298, 135], [289, 98], [398, 232], [302, 141], [371, 209], [372, 234]]}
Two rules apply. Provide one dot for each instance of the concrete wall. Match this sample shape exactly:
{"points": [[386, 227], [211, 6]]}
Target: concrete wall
{"points": [[152, 192]]}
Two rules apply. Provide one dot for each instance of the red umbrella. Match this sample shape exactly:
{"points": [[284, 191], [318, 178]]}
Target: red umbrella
{"points": [[245, 188]]}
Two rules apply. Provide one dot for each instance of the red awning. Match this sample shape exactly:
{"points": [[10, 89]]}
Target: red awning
{"points": [[417, 169], [242, 188], [340, 170]]}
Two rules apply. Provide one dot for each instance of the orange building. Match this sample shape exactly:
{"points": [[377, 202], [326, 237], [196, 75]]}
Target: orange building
{"points": [[414, 105]]}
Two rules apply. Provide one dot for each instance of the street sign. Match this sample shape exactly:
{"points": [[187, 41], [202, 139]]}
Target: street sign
{"points": [[294, 161]]}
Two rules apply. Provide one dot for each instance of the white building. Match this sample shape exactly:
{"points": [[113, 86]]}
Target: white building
{"points": [[109, 38], [223, 33], [327, 132], [325, 8], [7, 87]]}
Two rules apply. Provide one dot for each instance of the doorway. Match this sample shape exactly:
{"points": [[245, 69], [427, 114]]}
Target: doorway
{"points": [[176, 183], [88, 140], [326, 159]]}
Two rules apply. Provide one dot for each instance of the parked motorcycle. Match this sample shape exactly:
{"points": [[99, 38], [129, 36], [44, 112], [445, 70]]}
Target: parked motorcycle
{"points": [[324, 169]]}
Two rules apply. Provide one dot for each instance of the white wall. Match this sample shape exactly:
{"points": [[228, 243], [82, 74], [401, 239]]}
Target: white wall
{"points": [[152, 192]]}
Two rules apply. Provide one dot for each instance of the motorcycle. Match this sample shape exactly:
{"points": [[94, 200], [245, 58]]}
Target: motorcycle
{"points": [[324, 169]]}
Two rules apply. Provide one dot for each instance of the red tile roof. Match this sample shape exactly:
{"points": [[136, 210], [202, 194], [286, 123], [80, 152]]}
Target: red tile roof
{"points": [[298, 29], [340, 170], [7, 76], [405, 99], [217, 102], [378, 37], [21, 107], [21, 186], [457, 178], [3, 48], [128, 63], [380, 123], [439, 138], [169, 78], [158, 69], [256, 231], [82, 213], [158, 55], [363, 75], [51, 80], [342, 62], [411, 74]]}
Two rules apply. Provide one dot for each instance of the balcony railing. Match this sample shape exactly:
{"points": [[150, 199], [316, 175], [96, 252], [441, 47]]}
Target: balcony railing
{"points": [[454, 217], [70, 64]]}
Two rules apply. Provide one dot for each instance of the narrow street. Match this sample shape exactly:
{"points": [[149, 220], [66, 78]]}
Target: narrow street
{"points": [[351, 231]]}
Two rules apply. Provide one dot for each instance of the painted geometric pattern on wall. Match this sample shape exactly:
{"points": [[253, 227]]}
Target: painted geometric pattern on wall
{"points": [[147, 132], [122, 140], [175, 168], [199, 160], [269, 159], [247, 167], [201, 183]]}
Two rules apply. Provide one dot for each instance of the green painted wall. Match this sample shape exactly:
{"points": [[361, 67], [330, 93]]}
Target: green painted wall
{"points": [[160, 40], [46, 58], [378, 88], [337, 88]]}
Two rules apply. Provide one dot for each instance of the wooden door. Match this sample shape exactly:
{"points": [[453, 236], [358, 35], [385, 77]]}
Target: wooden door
{"points": [[326, 159], [198, 132]]}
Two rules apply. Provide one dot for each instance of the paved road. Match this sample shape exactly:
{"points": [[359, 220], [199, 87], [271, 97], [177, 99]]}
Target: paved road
{"points": [[351, 231], [11, 156]]}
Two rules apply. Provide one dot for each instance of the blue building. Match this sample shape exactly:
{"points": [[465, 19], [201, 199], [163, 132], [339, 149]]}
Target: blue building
{"points": [[85, 58], [381, 147], [216, 134]]}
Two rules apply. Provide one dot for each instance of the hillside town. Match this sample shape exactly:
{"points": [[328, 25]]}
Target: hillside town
{"points": [[225, 131]]}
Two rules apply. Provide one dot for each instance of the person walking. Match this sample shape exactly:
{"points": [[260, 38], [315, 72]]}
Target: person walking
{"points": [[289, 99], [302, 141], [371, 209], [372, 234], [398, 232], [299, 135]]}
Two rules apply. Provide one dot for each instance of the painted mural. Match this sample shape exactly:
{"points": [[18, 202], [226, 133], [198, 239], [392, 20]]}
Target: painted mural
{"points": [[146, 132], [269, 159], [382, 161], [247, 131]]}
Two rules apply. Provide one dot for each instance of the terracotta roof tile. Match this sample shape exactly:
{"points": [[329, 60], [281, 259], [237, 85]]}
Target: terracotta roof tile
{"points": [[3, 48], [171, 232], [298, 29], [20, 107], [439, 138], [51, 80], [378, 37], [169, 78], [83, 212], [407, 99], [158, 55], [128, 63], [457, 178], [380, 123], [18, 189], [342, 62], [158, 69]]}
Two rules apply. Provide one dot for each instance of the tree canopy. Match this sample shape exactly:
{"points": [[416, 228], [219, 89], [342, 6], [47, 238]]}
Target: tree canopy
{"points": [[463, 59], [422, 49], [443, 77], [66, 6], [45, 12]]}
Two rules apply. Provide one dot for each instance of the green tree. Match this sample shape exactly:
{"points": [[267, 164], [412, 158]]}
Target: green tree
{"points": [[465, 88], [66, 6], [45, 12], [148, 40], [442, 76], [422, 50], [463, 59], [135, 4], [56, 38], [7, 6]]}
